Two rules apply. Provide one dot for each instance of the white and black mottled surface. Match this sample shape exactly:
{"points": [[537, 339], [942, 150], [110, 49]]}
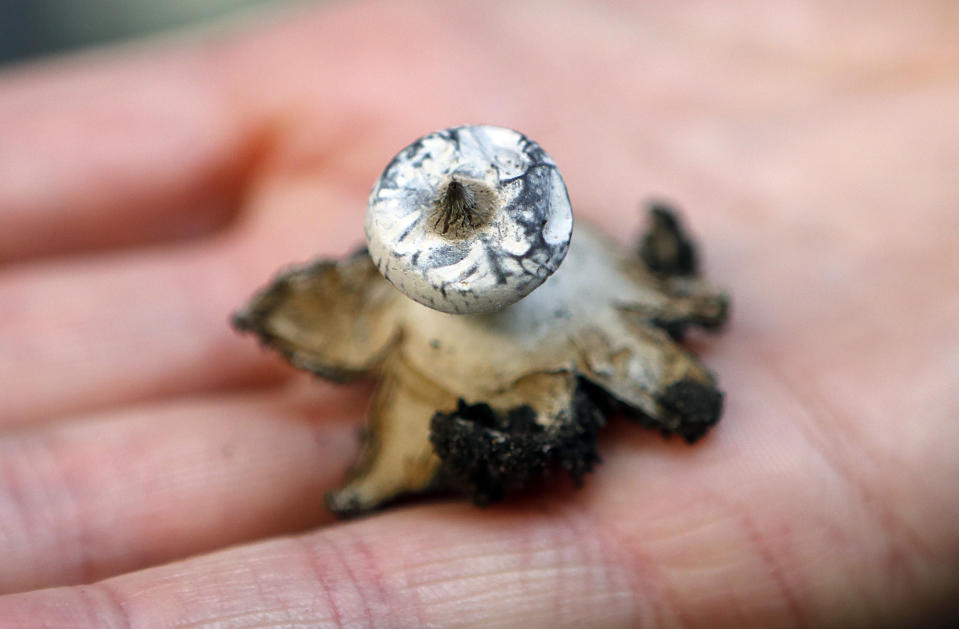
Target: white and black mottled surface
{"points": [[522, 241]]}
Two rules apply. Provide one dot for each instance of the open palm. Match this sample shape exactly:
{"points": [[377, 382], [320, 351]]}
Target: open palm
{"points": [[144, 194]]}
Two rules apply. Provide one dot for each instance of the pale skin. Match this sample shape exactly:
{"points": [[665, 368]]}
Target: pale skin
{"points": [[145, 193]]}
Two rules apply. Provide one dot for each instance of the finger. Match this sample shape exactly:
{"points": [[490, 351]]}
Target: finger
{"points": [[447, 566], [120, 328], [119, 148], [105, 494], [129, 326], [451, 566]]}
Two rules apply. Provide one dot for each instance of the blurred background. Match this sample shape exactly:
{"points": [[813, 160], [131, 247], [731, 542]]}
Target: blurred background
{"points": [[32, 28]]}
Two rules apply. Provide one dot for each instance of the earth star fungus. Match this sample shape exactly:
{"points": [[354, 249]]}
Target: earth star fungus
{"points": [[494, 362]]}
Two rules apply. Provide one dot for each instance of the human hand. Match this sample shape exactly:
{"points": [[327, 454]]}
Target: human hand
{"points": [[144, 195]]}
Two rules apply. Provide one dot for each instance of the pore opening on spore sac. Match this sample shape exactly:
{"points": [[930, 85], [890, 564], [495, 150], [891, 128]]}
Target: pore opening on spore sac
{"points": [[462, 207]]}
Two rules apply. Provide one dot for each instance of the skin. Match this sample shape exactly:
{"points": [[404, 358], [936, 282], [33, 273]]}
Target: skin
{"points": [[146, 191]]}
